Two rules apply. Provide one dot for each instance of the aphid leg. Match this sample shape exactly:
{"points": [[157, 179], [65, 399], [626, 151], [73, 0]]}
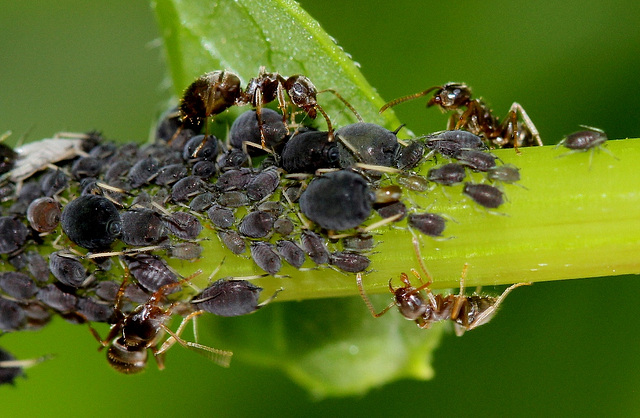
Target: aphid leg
{"points": [[270, 298], [367, 301], [486, 316], [516, 107], [346, 103]]}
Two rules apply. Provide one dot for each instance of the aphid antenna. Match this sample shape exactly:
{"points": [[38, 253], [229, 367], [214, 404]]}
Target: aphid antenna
{"points": [[406, 98]]}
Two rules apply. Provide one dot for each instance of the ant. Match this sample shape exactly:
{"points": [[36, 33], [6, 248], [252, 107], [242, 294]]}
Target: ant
{"points": [[144, 327], [467, 312], [475, 116], [214, 92]]}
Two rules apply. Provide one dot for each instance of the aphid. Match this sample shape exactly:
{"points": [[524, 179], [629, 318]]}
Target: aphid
{"points": [[235, 179], [102, 229], [186, 188], [265, 257], [283, 226], [183, 225], [358, 243], [430, 224], [230, 298], [7, 155], [204, 169], [10, 368], [38, 266], [388, 194], [86, 167], [310, 151], [201, 147], [475, 116], [507, 173], [143, 172], [17, 285], [117, 170], [106, 290], [202, 202], [233, 199], [44, 214], [246, 128], [142, 227], [263, 184], [587, 140], [450, 143], [257, 224], [55, 298], [233, 241], [185, 250], [349, 262], [291, 253], [272, 207], [94, 311], [484, 194], [408, 157], [170, 174], [367, 143], [233, 158], [151, 272], [171, 128], [37, 315], [448, 174], [467, 312], [314, 246], [67, 269], [13, 234], [338, 200], [53, 182], [142, 329], [221, 216], [477, 160], [12, 316]]}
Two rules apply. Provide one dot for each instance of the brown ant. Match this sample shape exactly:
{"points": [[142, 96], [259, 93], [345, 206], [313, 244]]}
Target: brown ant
{"points": [[467, 312], [144, 327], [475, 116], [214, 92]]}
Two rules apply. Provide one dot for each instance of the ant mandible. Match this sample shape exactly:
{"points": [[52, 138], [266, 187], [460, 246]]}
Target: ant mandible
{"points": [[477, 117], [467, 312], [143, 328]]}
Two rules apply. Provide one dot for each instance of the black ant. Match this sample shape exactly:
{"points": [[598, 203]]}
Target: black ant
{"points": [[467, 312], [475, 116], [217, 91], [144, 327]]}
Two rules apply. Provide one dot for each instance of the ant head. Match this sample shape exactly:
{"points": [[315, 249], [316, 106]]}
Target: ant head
{"points": [[451, 96], [302, 93], [126, 359]]}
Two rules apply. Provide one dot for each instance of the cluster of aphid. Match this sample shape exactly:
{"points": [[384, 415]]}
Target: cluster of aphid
{"points": [[313, 200]]}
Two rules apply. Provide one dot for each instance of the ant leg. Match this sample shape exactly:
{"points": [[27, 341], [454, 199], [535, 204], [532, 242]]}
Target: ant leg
{"points": [[516, 107], [346, 103], [258, 103], [329, 126], [282, 105], [486, 316], [461, 299], [367, 301], [416, 249]]}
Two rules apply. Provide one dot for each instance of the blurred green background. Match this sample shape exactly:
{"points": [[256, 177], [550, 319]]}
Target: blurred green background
{"points": [[560, 348]]}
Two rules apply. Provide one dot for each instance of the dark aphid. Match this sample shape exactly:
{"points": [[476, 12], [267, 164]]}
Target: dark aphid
{"points": [[265, 257], [233, 199], [172, 129], [86, 167], [584, 140], [183, 225], [116, 171], [201, 148], [410, 156], [233, 241], [94, 311], [291, 253], [106, 290], [211, 94], [447, 174], [292, 193], [263, 184], [229, 298], [310, 151], [477, 160], [185, 250], [338, 200], [367, 143], [18, 260], [358, 243], [56, 299], [53, 182], [236, 179], [135, 293], [186, 188], [13, 234], [413, 182], [349, 262], [171, 173], [272, 207], [126, 152], [44, 214], [450, 143], [17, 285], [143, 172], [150, 271], [67, 269], [204, 169], [221, 217], [92, 222], [256, 224], [7, 158], [283, 226], [142, 227], [428, 223], [103, 151], [233, 158], [392, 209], [484, 194], [314, 246], [37, 314], [12, 316], [202, 202], [38, 266], [246, 128], [507, 173]]}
